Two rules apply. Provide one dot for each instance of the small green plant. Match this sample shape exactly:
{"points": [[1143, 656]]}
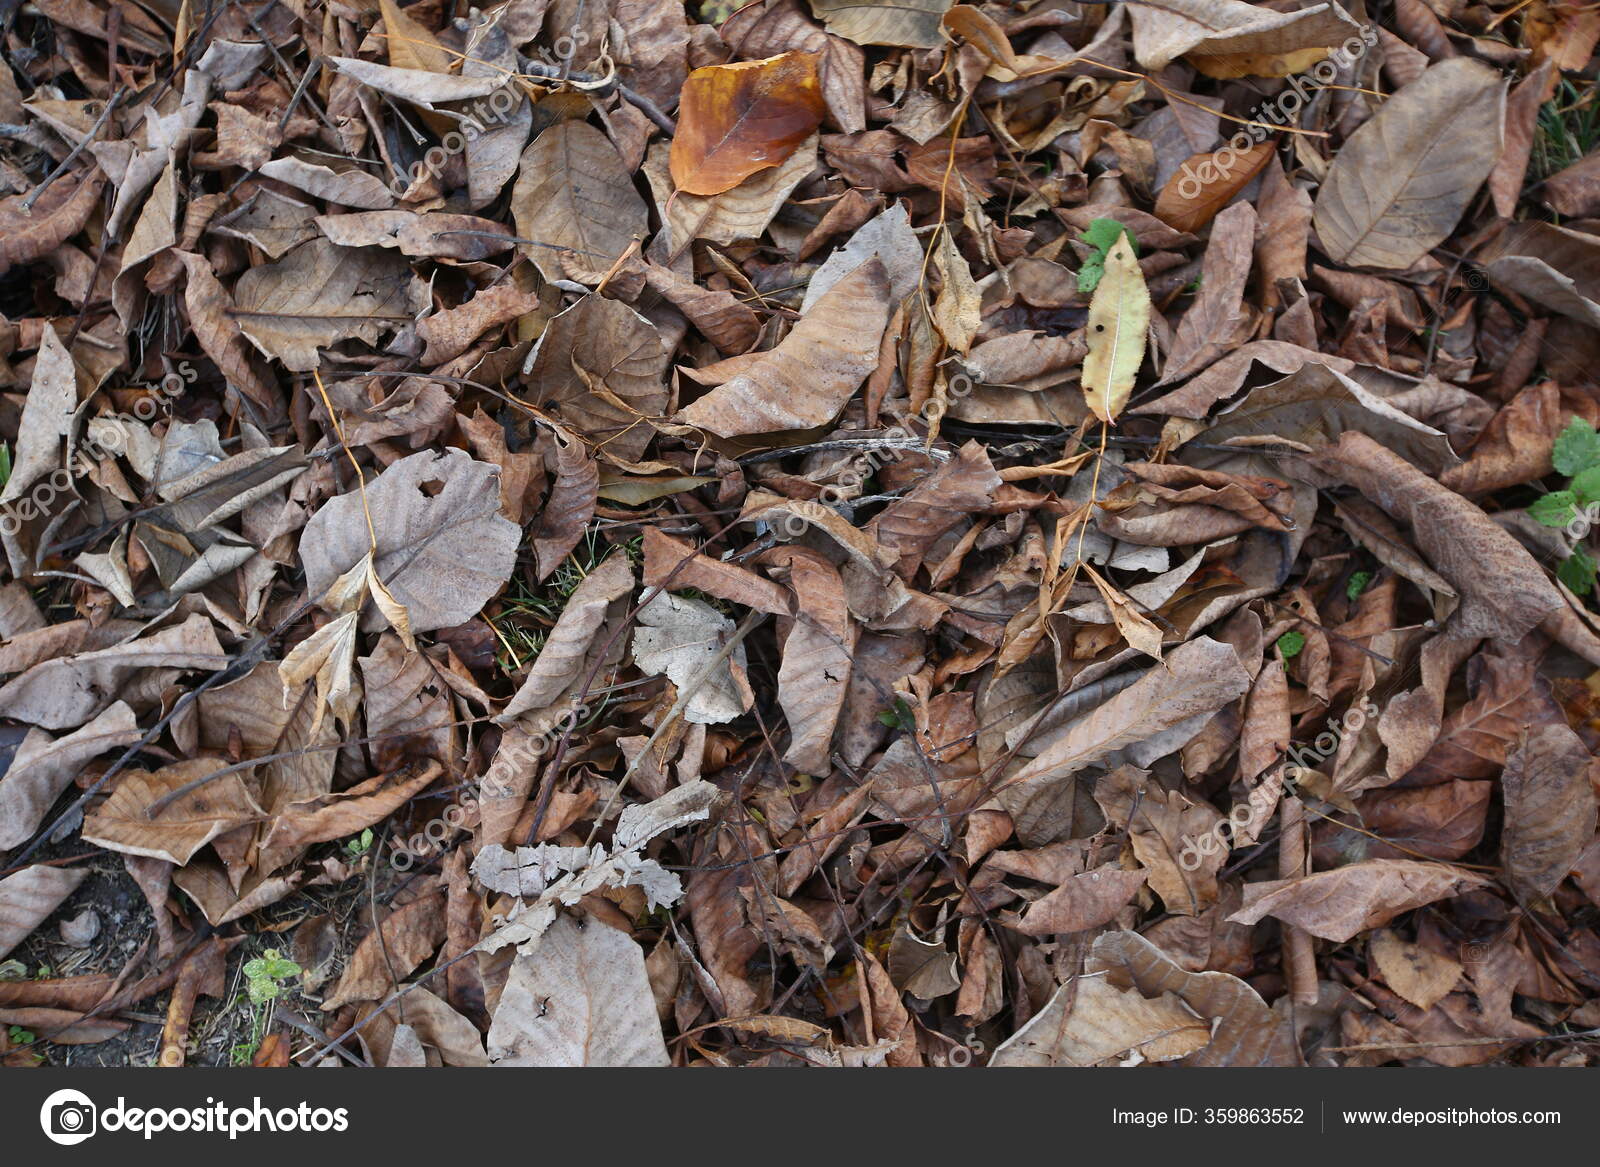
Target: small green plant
{"points": [[1576, 454], [1290, 644], [5, 463], [1358, 584], [263, 981], [899, 717], [1102, 235], [1567, 130], [529, 609], [264, 974], [358, 846], [20, 1036]]}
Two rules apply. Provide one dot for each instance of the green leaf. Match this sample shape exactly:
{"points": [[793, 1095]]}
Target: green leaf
{"points": [[1577, 448], [5, 464], [1555, 509], [899, 717], [279, 968], [1290, 644], [1586, 485], [1577, 571], [1102, 235], [1358, 584]]}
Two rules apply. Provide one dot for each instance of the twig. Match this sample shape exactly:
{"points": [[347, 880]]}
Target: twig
{"points": [[72, 155], [279, 1013], [247, 659]]}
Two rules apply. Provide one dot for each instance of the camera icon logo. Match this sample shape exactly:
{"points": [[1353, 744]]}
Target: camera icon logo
{"points": [[68, 1117]]}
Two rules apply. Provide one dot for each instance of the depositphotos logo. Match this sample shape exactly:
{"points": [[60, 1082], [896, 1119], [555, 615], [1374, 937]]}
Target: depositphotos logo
{"points": [[70, 1116]]}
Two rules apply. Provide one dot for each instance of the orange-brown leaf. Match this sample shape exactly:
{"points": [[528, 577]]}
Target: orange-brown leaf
{"points": [[734, 120], [1204, 184]]}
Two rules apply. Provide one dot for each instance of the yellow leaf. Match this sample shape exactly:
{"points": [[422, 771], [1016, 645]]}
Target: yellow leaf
{"points": [[958, 311], [410, 45], [1119, 317], [1136, 629]]}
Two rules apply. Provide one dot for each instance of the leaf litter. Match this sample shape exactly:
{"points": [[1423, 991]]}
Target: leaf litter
{"points": [[823, 534]]}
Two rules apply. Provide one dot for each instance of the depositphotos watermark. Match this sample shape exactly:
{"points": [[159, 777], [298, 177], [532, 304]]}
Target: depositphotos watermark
{"points": [[484, 115], [1251, 814], [68, 1117], [112, 444], [424, 843], [1280, 111], [895, 442]]}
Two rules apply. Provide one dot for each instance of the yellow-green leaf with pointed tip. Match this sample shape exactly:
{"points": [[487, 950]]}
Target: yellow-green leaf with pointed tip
{"points": [[1119, 318]]}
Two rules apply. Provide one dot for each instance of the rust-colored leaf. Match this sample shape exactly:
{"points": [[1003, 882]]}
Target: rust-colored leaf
{"points": [[734, 120]]}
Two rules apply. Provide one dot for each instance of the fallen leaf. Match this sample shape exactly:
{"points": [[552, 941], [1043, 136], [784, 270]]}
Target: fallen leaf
{"points": [[1244, 1032], [1420, 975], [579, 997], [734, 120], [43, 767], [29, 896], [321, 294], [1089, 1021], [1119, 315], [186, 823], [443, 548], [1403, 179], [680, 638], [574, 198], [807, 379], [916, 23], [1550, 809], [1204, 184], [1338, 904]]}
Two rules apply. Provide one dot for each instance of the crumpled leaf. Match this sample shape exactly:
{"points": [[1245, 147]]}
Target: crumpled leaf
{"points": [[679, 637], [1549, 807], [1229, 38], [555, 876], [1338, 904], [1244, 1032], [807, 379], [580, 998], [1089, 1021]]}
